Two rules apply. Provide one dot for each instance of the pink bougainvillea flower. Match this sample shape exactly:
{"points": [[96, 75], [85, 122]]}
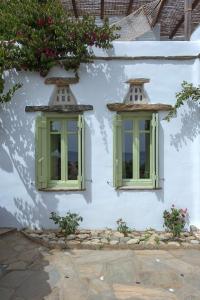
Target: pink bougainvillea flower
{"points": [[49, 21], [40, 22]]}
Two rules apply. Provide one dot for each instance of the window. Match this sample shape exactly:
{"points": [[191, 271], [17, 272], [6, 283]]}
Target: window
{"points": [[136, 150], [60, 152]]}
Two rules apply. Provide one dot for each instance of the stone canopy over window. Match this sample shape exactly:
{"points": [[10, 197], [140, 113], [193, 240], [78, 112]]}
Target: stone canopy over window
{"points": [[62, 94], [62, 100], [137, 99]]}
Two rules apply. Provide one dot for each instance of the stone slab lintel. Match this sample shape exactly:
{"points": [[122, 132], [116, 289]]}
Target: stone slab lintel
{"points": [[123, 107], [59, 108]]}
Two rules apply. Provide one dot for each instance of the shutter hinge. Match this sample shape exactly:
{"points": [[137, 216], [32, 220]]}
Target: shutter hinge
{"points": [[153, 122], [118, 123], [80, 178], [155, 177], [80, 124], [43, 124], [40, 159]]}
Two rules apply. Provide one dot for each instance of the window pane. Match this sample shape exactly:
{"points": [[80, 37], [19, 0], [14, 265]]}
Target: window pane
{"points": [[55, 126], [55, 157], [145, 125], [72, 156], [145, 155], [72, 125], [127, 156], [128, 125]]}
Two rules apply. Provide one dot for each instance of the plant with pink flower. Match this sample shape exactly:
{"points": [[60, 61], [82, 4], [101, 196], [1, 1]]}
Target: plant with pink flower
{"points": [[175, 220]]}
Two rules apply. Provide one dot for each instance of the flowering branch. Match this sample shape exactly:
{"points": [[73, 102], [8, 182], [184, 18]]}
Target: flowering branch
{"points": [[189, 92], [44, 35]]}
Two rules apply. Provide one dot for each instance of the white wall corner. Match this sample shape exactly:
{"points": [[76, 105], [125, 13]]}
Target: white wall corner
{"points": [[196, 34]]}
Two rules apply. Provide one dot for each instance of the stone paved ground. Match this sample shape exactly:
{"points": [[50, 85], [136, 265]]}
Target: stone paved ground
{"points": [[30, 272]]}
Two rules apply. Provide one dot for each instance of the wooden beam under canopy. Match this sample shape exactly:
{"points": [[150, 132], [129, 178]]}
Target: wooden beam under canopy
{"points": [[180, 22], [75, 8], [102, 9], [129, 10], [175, 29], [188, 19], [61, 81], [159, 11]]}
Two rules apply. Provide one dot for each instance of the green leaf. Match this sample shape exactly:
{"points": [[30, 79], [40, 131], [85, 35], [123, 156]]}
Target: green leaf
{"points": [[189, 92]]}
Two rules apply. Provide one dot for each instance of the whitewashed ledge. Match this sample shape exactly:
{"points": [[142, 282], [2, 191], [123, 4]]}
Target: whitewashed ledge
{"points": [[109, 239]]}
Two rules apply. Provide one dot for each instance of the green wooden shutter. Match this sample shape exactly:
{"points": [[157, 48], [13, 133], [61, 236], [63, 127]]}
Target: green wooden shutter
{"points": [[155, 150], [117, 151], [81, 152], [41, 152]]}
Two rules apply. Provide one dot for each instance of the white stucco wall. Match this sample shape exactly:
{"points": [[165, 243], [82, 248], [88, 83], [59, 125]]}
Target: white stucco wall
{"points": [[102, 82], [196, 34]]}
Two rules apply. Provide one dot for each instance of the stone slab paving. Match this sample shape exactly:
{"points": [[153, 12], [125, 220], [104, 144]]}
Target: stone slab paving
{"points": [[29, 271], [6, 230]]}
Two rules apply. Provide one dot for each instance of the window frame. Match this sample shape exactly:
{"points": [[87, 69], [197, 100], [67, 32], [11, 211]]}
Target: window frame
{"points": [[61, 184], [135, 182]]}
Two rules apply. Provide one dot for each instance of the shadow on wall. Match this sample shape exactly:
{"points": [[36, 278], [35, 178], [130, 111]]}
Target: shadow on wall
{"points": [[190, 128], [112, 77], [17, 150], [28, 207], [7, 218], [17, 157], [17, 153], [108, 79]]}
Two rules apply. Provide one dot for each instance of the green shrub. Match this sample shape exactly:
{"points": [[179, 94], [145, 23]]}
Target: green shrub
{"points": [[175, 220], [122, 227], [67, 224], [157, 240]]}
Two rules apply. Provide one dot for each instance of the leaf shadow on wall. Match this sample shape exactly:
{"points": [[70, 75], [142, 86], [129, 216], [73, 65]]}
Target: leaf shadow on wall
{"points": [[17, 151], [7, 217], [5, 161], [190, 126], [109, 88], [112, 87]]}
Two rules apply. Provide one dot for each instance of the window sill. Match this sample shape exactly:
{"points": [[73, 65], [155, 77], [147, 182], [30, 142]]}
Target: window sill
{"points": [[136, 188], [61, 190]]}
